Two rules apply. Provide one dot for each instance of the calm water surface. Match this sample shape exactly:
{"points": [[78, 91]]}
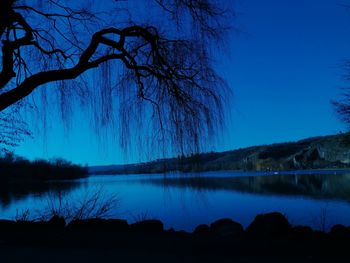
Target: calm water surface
{"points": [[182, 201]]}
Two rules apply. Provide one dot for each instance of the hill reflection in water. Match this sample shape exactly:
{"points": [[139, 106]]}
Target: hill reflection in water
{"points": [[183, 201], [320, 186]]}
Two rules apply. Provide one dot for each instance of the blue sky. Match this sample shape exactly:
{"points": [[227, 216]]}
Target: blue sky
{"points": [[284, 64]]}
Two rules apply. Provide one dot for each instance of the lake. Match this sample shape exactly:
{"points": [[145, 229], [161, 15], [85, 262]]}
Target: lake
{"points": [[319, 199]]}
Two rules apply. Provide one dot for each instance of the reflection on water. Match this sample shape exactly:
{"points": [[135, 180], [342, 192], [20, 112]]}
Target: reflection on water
{"points": [[184, 201], [320, 186], [11, 192]]}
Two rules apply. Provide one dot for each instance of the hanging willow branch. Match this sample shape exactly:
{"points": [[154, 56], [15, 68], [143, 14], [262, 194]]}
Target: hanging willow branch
{"points": [[170, 74]]}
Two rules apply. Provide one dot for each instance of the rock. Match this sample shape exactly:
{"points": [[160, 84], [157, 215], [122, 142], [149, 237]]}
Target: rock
{"points": [[302, 232], [7, 226], [99, 224], [24, 225], [201, 230], [269, 225], [85, 223], [183, 234], [171, 231], [340, 232], [226, 228], [118, 224], [320, 235], [57, 221], [34, 229], [6, 223], [148, 226]]}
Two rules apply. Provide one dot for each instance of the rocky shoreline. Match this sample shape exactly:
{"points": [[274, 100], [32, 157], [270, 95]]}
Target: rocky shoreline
{"points": [[269, 238]]}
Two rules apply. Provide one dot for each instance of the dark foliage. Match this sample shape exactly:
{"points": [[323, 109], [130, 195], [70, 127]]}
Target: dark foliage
{"points": [[18, 169], [282, 151], [342, 107]]}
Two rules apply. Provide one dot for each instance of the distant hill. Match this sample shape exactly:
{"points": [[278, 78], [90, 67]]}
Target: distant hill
{"points": [[332, 152]]}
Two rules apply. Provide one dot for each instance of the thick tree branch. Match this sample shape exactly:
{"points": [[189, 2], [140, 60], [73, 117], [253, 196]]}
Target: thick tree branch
{"points": [[9, 48], [31, 83], [39, 79], [101, 37]]}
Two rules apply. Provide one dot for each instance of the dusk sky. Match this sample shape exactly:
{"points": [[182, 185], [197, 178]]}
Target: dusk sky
{"points": [[284, 65]]}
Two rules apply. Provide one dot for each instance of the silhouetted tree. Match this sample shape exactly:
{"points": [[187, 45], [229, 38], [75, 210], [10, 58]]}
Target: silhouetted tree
{"points": [[342, 107], [162, 46]]}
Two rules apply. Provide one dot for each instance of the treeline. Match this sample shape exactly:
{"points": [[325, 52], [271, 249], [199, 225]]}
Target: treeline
{"points": [[14, 168]]}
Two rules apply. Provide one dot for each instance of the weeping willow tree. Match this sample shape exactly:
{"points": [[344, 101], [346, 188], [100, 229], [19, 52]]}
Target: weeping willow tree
{"points": [[152, 64], [12, 131], [342, 107]]}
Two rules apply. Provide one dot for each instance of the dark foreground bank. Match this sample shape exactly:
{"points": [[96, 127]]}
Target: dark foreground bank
{"points": [[269, 238]]}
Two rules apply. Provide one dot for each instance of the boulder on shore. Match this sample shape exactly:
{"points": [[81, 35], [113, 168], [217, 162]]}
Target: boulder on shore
{"points": [[340, 232], [148, 226], [226, 228], [269, 225], [99, 224], [57, 221], [202, 230]]}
